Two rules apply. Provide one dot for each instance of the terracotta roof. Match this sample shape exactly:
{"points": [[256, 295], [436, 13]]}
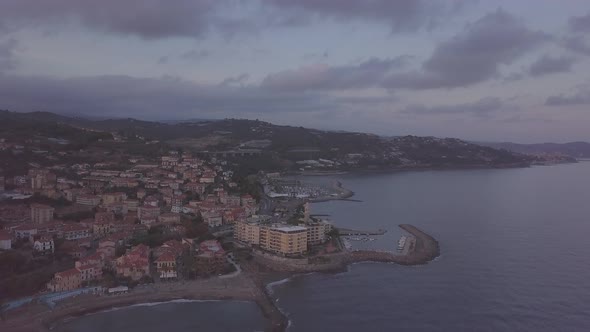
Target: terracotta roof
{"points": [[167, 256], [67, 273]]}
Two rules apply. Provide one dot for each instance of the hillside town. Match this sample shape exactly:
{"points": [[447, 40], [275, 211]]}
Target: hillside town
{"points": [[81, 226]]}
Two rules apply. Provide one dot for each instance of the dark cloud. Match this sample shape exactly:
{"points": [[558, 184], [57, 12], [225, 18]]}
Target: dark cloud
{"points": [[580, 23], [401, 15], [152, 98], [239, 80], [482, 108], [147, 19], [367, 74], [579, 98], [550, 65], [474, 55], [7, 56], [577, 44]]}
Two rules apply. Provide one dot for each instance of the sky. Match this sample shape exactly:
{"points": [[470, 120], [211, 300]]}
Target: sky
{"points": [[503, 70]]}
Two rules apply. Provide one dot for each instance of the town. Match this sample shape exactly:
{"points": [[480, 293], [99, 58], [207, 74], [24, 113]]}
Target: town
{"points": [[75, 228]]}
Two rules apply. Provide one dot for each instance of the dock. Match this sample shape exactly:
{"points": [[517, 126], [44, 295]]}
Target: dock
{"points": [[347, 231]]}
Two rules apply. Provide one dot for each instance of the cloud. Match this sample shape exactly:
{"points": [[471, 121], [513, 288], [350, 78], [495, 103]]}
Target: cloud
{"points": [[155, 98], [194, 55], [580, 23], [367, 74], [401, 15], [550, 65], [7, 56], [239, 80], [576, 44], [578, 98], [147, 19], [473, 55], [482, 108]]}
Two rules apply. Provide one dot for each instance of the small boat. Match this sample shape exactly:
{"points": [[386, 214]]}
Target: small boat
{"points": [[401, 243]]}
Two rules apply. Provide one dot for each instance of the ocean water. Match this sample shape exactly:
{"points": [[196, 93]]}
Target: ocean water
{"points": [[515, 256]]}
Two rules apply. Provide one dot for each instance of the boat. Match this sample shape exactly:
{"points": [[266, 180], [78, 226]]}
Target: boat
{"points": [[401, 243]]}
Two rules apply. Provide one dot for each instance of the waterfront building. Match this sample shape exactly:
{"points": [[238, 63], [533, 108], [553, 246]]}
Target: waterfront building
{"points": [[66, 280], [135, 264], [166, 265], [284, 240], [210, 258]]}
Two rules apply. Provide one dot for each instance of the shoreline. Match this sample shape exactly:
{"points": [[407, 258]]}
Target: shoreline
{"points": [[254, 285]]}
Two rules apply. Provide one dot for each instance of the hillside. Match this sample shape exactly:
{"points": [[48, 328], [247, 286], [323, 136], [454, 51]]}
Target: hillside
{"points": [[572, 149], [274, 146]]}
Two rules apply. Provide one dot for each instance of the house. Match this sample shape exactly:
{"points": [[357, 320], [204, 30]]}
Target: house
{"points": [[210, 258], [89, 272], [213, 219], [107, 248], [102, 228], [5, 241], [66, 280], [135, 264], [44, 245], [166, 266], [75, 231]]}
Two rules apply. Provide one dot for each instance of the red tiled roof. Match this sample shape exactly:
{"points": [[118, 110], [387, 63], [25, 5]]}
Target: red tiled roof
{"points": [[167, 256], [67, 273]]}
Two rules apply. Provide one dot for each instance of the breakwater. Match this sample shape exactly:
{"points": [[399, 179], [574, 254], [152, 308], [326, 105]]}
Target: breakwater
{"points": [[426, 249]]}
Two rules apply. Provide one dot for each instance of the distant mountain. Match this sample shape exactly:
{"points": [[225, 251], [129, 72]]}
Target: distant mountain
{"points": [[572, 149], [283, 145]]}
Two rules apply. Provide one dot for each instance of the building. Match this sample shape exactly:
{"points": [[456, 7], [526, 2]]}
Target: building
{"points": [[169, 218], [212, 218], [166, 266], [135, 264], [111, 198], [5, 241], [26, 231], [132, 204], [88, 200], [210, 258], [75, 232], [44, 245], [41, 213], [317, 232], [284, 240], [89, 272], [66, 280]]}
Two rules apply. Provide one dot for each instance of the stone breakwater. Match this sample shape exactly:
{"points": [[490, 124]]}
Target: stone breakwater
{"points": [[425, 250]]}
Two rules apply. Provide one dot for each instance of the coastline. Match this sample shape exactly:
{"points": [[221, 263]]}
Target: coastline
{"points": [[254, 285]]}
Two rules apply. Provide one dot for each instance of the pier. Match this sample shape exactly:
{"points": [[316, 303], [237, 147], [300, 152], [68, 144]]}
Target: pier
{"points": [[347, 231]]}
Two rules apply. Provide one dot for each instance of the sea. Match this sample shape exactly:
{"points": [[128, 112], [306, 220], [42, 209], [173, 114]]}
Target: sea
{"points": [[515, 256]]}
